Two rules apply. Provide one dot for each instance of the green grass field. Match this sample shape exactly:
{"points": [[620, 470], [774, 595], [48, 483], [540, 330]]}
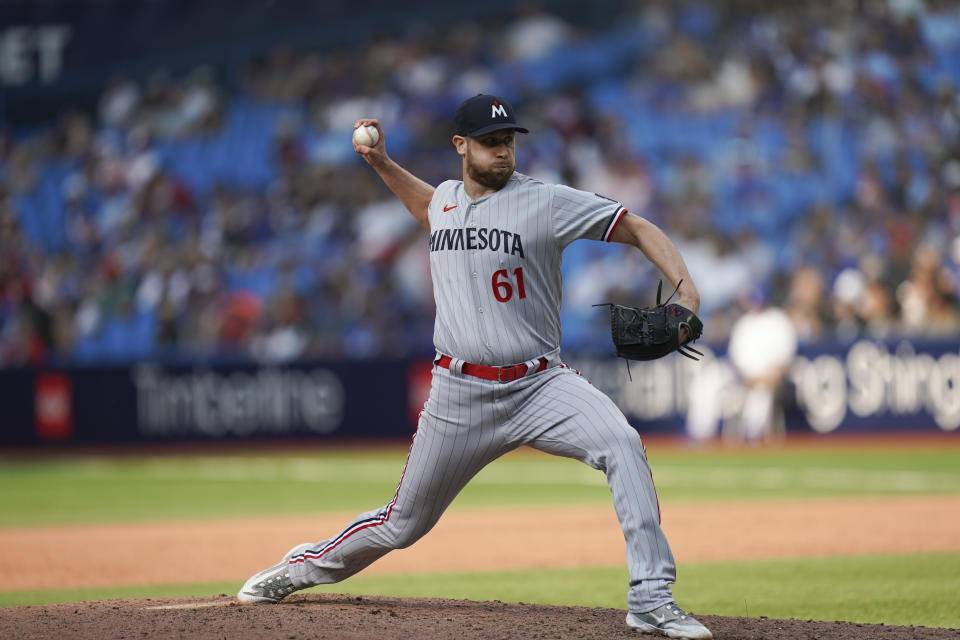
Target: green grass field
{"points": [[114, 489], [919, 589]]}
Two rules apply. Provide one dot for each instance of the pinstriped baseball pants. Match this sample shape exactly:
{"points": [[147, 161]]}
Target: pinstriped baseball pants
{"points": [[466, 424]]}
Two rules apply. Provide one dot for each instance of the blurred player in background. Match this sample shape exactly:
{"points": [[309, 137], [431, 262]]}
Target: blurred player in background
{"points": [[742, 396], [762, 346]]}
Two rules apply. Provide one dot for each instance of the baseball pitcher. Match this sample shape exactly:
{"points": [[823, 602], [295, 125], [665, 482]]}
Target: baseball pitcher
{"points": [[496, 240]]}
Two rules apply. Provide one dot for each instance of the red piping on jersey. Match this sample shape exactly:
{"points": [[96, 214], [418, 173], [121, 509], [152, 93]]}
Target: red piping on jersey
{"points": [[360, 526], [616, 220]]}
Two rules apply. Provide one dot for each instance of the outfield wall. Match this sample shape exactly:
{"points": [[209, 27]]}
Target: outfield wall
{"points": [[862, 386]]}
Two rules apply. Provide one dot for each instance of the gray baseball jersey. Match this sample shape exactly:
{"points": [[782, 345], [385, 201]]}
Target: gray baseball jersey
{"points": [[496, 272], [496, 265]]}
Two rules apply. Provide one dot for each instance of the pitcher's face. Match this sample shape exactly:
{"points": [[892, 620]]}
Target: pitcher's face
{"points": [[490, 159]]}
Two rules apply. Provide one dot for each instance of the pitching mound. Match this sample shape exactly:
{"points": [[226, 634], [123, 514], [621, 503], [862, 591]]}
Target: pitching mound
{"points": [[378, 618]]}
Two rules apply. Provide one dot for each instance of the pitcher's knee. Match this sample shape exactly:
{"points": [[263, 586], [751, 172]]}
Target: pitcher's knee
{"points": [[621, 446], [405, 542], [400, 533], [623, 441], [406, 536]]}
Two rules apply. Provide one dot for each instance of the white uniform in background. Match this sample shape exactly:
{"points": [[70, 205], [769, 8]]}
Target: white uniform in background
{"points": [[762, 345]]}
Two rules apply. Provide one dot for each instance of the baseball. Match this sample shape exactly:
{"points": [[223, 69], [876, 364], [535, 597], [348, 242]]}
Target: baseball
{"points": [[366, 135]]}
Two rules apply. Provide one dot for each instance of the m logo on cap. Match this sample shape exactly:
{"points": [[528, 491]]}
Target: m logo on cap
{"points": [[471, 118]]}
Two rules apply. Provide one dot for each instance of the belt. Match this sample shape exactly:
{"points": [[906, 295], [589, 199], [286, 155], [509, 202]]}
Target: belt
{"points": [[500, 374]]}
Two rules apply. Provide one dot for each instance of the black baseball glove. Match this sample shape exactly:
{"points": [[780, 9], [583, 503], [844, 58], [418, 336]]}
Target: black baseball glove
{"points": [[649, 333]]}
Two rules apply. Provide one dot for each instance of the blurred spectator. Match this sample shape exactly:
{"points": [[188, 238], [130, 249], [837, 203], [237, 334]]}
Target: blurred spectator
{"points": [[805, 304], [804, 148], [534, 32], [928, 303]]}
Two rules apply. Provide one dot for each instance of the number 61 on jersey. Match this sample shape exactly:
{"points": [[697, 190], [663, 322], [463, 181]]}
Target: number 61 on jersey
{"points": [[503, 286]]}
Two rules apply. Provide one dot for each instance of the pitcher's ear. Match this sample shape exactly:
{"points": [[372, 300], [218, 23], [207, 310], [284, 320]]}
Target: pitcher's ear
{"points": [[460, 143]]}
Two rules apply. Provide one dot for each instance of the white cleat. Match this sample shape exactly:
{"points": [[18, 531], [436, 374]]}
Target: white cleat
{"points": [[270, 586], [668, 620]]}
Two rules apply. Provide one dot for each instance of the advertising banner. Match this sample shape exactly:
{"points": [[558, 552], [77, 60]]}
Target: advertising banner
{"points": [[864, 386], [150, 402]]}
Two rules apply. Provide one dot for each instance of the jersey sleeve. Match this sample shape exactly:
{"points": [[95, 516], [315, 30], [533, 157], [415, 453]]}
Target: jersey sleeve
{"points": [[579, 214]]}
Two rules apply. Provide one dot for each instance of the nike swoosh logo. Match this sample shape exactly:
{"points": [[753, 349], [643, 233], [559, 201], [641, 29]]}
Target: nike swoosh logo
{"points": [[659, 619], [447, 208]]}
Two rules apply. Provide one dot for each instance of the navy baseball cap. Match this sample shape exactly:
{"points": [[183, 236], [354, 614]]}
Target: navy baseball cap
{"points": [[482, 114]]}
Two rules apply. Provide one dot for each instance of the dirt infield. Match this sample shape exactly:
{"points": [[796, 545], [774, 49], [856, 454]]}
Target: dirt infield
{"points": [[220, 550], [326, 616]]}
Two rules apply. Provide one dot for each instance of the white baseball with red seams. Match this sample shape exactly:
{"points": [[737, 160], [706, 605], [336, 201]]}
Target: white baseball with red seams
{"points": [[495, 263], [366, 135]]}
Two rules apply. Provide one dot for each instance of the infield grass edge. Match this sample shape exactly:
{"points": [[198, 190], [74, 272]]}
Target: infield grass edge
{"points": [[900, 589]]}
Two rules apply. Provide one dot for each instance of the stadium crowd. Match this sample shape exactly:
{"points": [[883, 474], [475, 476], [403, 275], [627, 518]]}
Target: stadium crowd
{"points": [[805, 155]]}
